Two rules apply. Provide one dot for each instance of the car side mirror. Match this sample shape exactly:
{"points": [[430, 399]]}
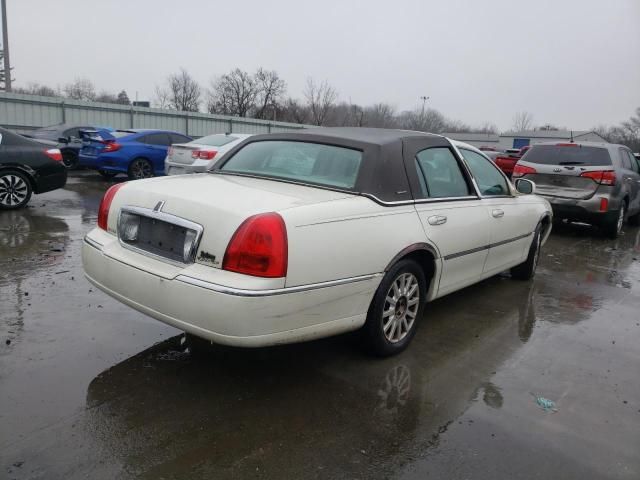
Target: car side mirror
{"points": [[63, 140], [525, 186]]}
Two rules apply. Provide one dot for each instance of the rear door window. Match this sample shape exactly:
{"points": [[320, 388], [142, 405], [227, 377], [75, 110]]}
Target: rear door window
{"points": [[572, 154], [633, 160], [160, 139], [439, 174], [626, 161]]}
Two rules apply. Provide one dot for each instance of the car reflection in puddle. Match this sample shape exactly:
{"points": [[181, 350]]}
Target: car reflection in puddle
{"points": [[320, 408]]}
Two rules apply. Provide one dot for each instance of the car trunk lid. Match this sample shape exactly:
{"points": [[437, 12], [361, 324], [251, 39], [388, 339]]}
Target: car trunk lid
{"points": [[181, 153], [219, 203]]}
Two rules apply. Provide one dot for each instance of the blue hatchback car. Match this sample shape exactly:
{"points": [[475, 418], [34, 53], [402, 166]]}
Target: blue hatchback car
{"points": [[137, 153]]}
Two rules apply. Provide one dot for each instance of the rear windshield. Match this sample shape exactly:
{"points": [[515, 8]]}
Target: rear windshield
{"points": [[121, 133], [302, 161], [567, 155], [215, 140], [47, 133]]}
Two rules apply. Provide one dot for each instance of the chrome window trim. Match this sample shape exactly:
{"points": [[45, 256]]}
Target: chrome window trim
{"points": [[421, 200], [164, 217], [241, 292]]}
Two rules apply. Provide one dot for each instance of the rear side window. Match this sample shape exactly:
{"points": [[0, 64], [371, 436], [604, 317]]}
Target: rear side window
{"points": [[440, 175], [215, 140], [567, 155], [176, 138], [306, 162], [161, 139]]}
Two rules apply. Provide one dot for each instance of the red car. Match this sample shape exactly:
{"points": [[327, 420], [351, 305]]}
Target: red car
{"points": [[506, 161]]}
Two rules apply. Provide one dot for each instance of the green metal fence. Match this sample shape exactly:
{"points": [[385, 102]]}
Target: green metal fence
{"points": [[26, 112]]}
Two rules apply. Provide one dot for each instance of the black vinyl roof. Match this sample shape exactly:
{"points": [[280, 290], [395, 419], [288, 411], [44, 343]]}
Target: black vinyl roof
{"points": [[373, 136]]}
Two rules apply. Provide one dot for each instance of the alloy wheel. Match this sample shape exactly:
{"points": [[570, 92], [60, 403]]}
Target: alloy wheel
{"points": [[141, 169], [400, 307], [13, 190]]}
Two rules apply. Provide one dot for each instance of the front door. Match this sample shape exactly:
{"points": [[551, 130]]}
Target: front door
{"points": [[509, 218]]}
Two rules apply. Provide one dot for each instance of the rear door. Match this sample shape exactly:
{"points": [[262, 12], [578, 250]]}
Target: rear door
{"points": [[156, 146], [511, 219], [561, 170], [451, 213], [631, 178]]}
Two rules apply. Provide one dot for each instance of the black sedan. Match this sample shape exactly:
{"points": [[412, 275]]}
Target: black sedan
{"points": [[66, 137], [27, 167]]}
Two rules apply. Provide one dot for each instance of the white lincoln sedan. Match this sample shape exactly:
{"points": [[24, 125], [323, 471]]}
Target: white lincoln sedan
{"points": [[303, 235]]}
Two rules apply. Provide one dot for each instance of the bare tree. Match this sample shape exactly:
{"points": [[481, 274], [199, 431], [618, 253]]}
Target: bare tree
{"points": [[106, 97], [522, 121], [161, 97], [37, 89], [184, 92], [295, 112], [270, 88], [233, 94], [80, 89], [429, 120], [123, 98], [320, 98], [380, 115]]}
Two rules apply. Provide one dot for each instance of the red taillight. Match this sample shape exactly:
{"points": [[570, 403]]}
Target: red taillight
{"points": [[259, 247], [521, 170], [111, 146], [603, 177], [54, 154], [203, 154], [105, 205]]}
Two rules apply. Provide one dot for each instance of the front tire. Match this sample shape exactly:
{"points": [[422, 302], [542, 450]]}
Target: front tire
{"points": [[613, 227], [140, 168], [527, 269], [107, 174], [15, 190], [396, 309]]}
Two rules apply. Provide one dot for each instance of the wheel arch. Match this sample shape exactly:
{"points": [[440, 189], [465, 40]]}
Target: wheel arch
{"points": [[26, 172], [427, 257]]}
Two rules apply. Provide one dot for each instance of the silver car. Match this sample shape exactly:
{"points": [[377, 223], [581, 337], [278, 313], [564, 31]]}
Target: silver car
{"points": [[596, 183], [199, 155]]}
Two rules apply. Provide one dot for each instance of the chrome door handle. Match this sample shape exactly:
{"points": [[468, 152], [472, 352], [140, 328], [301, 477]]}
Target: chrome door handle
{"points": [[497, 213], [437, 220]]}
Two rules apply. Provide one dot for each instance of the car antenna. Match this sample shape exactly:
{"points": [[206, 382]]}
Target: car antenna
{"points": [[571, 136]]}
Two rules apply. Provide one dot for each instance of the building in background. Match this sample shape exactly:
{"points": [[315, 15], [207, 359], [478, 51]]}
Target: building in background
{"points": [[531, 137], [490, 141]]}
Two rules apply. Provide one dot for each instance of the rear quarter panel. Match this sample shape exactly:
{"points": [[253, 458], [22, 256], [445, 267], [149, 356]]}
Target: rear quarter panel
{"points": [[346, 238]]}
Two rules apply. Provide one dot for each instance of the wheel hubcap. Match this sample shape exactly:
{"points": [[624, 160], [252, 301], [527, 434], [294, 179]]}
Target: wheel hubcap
{"points": [[400, 307], [141, 169], [13, 190]]}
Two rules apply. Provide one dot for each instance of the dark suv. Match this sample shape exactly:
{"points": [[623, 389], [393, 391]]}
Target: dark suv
{"points": [[596, 183]]}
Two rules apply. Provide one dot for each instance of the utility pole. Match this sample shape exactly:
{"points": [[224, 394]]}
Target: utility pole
{"points": [[423, 98], [5, 46]]}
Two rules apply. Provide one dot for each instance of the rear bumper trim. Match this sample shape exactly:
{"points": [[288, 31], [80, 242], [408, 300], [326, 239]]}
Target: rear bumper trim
{"points": [[277, 291]]}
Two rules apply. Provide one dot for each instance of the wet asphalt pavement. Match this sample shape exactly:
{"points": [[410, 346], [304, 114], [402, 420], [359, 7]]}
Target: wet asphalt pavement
{"points": [[92, 389]]}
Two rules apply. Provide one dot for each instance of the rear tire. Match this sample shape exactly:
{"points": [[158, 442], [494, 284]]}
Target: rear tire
{"points": [[107, 174], [140, 168], [396, 309], [613, 227], [527, 269], [15, 189], [70, 160]]}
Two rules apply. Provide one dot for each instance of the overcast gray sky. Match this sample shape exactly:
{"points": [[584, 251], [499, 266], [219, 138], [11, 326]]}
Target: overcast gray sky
{"points": [[575, 63]]}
